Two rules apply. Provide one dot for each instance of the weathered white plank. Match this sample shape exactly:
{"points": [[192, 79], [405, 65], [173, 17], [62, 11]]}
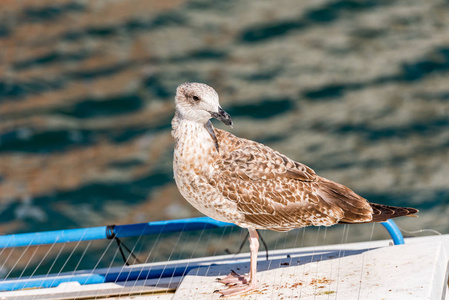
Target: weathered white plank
{"points": [[411, 271]]}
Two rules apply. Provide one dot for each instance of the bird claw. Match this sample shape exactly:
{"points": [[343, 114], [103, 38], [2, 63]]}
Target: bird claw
{"points": [[233, 278], [237, 290], [237, 284]]}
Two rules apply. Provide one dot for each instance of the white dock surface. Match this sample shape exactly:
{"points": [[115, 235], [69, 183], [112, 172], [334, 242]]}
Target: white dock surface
{"points": [[416, 270]]}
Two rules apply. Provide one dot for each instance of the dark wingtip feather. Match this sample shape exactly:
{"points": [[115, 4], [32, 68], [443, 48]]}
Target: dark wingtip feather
{"points": [[382, 213]]}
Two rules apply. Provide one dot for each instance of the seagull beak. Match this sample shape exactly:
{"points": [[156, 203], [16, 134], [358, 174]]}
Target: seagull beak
{"points": [[222, 116]]}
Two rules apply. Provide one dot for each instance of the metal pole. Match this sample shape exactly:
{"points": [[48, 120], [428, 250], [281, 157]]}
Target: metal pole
{"points": [[394, 231], [104, 232]]}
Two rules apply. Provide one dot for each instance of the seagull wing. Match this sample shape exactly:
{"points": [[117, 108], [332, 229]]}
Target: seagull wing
{"points": [[275, 192]]}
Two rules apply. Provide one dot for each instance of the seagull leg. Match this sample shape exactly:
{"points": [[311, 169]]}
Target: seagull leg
{"points": [[242, 285]]}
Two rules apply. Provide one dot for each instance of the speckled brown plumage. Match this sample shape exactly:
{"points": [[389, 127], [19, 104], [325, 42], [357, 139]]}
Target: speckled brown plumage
{"points": [[247, 183]]}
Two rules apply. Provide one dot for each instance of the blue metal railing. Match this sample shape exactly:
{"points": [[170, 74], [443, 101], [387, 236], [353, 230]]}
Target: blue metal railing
{"points": [[394, 231], [119, 231], [130, 230], [105, 232]]}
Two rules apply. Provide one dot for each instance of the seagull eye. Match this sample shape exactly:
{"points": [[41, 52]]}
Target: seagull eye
{"points": [[196, 98]]}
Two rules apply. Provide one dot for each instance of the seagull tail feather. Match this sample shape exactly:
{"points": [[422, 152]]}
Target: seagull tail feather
{"points": [[382, 213]]}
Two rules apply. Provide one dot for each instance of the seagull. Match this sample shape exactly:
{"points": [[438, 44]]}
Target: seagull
{"points": [[240, 181]]}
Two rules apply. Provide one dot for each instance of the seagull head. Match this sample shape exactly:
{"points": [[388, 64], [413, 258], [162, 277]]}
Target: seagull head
{"points": [[199, 102]]}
